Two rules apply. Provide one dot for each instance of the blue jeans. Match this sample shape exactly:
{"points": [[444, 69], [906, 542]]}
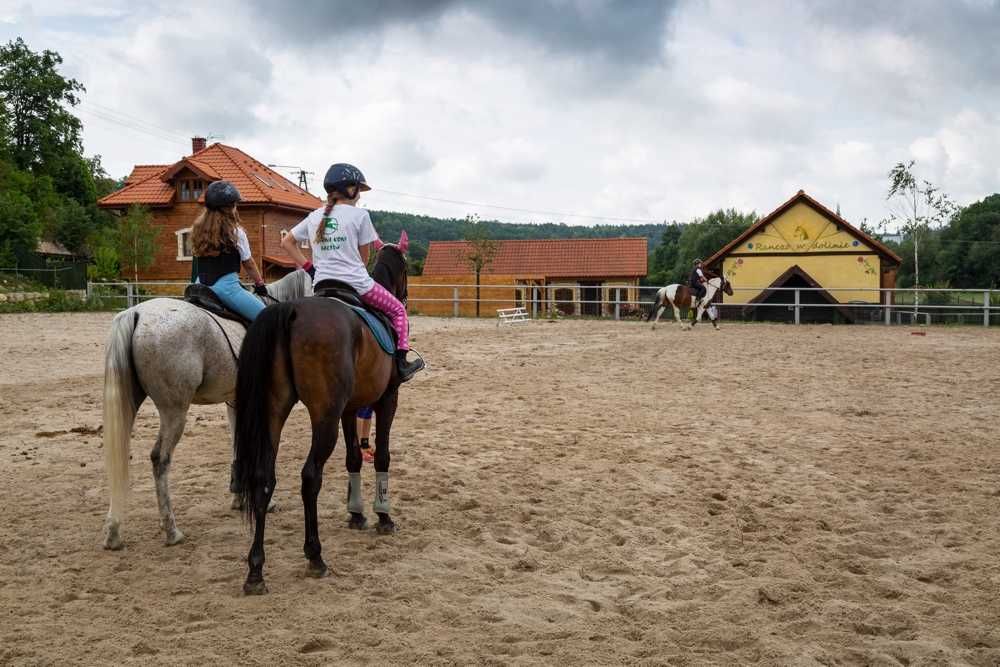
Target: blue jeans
{"points": [[229, 290]]}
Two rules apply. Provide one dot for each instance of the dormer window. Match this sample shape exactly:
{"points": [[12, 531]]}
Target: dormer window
{"points": [[190, 189]]}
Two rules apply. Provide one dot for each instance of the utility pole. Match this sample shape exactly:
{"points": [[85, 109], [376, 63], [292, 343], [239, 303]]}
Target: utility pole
{"points": [[298, 171]]}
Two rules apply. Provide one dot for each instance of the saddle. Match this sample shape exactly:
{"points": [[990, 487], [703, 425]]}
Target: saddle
{"points": [[203, 297], [376, 320]]}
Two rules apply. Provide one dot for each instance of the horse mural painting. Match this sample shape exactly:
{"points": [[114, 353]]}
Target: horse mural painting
{"points": [[317, 351], [176, 354], [675, 295]]}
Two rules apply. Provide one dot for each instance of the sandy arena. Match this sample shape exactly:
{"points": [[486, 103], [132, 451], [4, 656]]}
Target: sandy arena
{"points": [[570, 492]]}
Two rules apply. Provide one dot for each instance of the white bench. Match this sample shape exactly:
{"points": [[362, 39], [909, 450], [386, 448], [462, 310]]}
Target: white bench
{"points": [[512, 315]]}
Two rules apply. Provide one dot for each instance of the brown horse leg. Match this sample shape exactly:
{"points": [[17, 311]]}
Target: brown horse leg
{"points": [[385, 411], [324, 439], [282, 400], [354, 461]]}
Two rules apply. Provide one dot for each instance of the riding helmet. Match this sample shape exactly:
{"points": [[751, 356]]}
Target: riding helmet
{"points": [[697, 261], [221, 195], [341, 176]]}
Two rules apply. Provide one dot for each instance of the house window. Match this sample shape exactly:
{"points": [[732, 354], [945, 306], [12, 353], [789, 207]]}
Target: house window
{"points": [[184, 253], [190, 189]]}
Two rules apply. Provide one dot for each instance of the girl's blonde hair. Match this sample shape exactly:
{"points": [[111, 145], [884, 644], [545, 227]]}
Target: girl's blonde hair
{"points": [[214, 232], [331, 200]]}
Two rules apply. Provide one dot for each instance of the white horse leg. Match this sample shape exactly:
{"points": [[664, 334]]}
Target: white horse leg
{"points": [[659, 311], [171, 428]]}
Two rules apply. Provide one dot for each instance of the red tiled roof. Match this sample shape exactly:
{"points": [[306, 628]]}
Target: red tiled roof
{"points": [[257, 184], [141, 172], [200, 167], [802, 197], [548, 258]]}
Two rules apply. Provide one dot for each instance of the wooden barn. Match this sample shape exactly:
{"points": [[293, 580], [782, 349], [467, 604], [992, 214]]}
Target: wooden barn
{"points": [[174, 194], [575, 276], [804, 244]]}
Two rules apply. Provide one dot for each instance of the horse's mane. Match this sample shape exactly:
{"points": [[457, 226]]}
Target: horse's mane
{"points": [[390, 267]]}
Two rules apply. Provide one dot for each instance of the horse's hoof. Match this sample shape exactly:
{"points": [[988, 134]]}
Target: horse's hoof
{"points": [[174, 537], [254, 588], [357, 521], [273, 507], [385, 527], [114, 542], [317, 570], [237, 503]]}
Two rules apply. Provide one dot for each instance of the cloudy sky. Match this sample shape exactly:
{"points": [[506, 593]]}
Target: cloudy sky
{"points": [[644, 111]]}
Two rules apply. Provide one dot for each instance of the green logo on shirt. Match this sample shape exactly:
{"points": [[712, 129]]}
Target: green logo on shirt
{"points": [[330, 226]]}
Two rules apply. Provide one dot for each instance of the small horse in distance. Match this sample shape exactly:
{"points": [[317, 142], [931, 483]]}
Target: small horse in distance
{"points": [[176, 354], [676, 295], [317, 351]]}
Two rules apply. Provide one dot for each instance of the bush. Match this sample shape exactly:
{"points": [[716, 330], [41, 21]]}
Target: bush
{"points": [[58, 301]]}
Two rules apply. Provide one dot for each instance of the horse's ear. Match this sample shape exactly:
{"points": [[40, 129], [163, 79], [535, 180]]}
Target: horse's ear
{"points": [[404, 241], [378, 244]]}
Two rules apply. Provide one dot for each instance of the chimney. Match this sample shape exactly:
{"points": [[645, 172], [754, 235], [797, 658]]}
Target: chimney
{"points": [[198, 144]]}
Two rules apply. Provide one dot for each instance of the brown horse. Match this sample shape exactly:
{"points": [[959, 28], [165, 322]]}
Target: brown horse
{"points": [[681, 295], [317, 351]]}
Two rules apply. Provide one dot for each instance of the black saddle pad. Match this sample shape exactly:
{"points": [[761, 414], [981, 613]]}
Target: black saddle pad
{"points": [[338, 290], [205, 298]]}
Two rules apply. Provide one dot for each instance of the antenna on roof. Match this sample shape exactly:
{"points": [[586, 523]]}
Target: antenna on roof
{"points": [[215, 136], [298, 171]]}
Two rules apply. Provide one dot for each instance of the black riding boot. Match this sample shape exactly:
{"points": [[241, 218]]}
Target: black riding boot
{"points": [[407, 368]]}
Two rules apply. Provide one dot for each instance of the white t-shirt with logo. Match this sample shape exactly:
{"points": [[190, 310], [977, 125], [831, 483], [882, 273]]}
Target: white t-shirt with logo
{"points": [[336, 257]]}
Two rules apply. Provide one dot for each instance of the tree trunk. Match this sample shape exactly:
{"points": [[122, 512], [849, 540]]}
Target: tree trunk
{"points": [[477, 293]]}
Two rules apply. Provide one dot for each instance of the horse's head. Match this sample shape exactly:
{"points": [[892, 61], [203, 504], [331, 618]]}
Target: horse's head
{"points": [[727, 287], [390, 266]]}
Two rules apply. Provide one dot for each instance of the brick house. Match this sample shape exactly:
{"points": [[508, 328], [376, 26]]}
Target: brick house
{"points": [[174, 194], [575, 276]]}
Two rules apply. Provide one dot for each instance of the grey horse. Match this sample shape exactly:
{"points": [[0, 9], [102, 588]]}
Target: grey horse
{"points": [[175, 354]]}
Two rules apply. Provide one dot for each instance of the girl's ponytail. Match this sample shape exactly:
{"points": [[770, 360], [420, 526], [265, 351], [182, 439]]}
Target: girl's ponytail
{"points": [[331, 199]]}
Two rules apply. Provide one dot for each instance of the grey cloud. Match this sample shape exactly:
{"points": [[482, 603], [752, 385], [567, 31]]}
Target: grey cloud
{"points": [[964, 34], [617, 32]]}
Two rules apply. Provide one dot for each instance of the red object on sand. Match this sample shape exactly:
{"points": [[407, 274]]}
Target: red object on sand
{"points": [[918, 333]]}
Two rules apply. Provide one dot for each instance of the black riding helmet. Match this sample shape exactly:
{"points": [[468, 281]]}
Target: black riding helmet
{"points": [[221, 195], [341, 176], [697, 262]]}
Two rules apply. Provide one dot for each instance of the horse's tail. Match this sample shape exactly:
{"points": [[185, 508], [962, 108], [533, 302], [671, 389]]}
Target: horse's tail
{"points": [[265, 345], [653, 306], [122, 396]]}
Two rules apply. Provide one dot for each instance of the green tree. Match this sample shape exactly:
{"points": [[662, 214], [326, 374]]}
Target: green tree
{"points": [[916, 208], [38, 130], [699, 239], [19, 227], [482, 249], [664, 257], [970, 246], [136, 240]]}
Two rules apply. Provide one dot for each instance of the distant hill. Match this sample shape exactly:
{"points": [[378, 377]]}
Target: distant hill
{"points": [[423, 229]]}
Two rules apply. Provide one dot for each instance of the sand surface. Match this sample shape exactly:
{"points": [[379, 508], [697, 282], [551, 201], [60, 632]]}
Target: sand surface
{"points": [[571, 492]]}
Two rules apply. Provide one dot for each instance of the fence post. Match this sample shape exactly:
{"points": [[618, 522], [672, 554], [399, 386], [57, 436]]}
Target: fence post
{"points": [[89, 294], [618, 297], [889, 298], [454, 301], [986, 308], [797, 309], [534, 303], [128, 295]]}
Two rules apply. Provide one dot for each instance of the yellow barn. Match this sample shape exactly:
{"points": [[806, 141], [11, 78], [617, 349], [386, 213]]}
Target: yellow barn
{"points": [[804, 244]]}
